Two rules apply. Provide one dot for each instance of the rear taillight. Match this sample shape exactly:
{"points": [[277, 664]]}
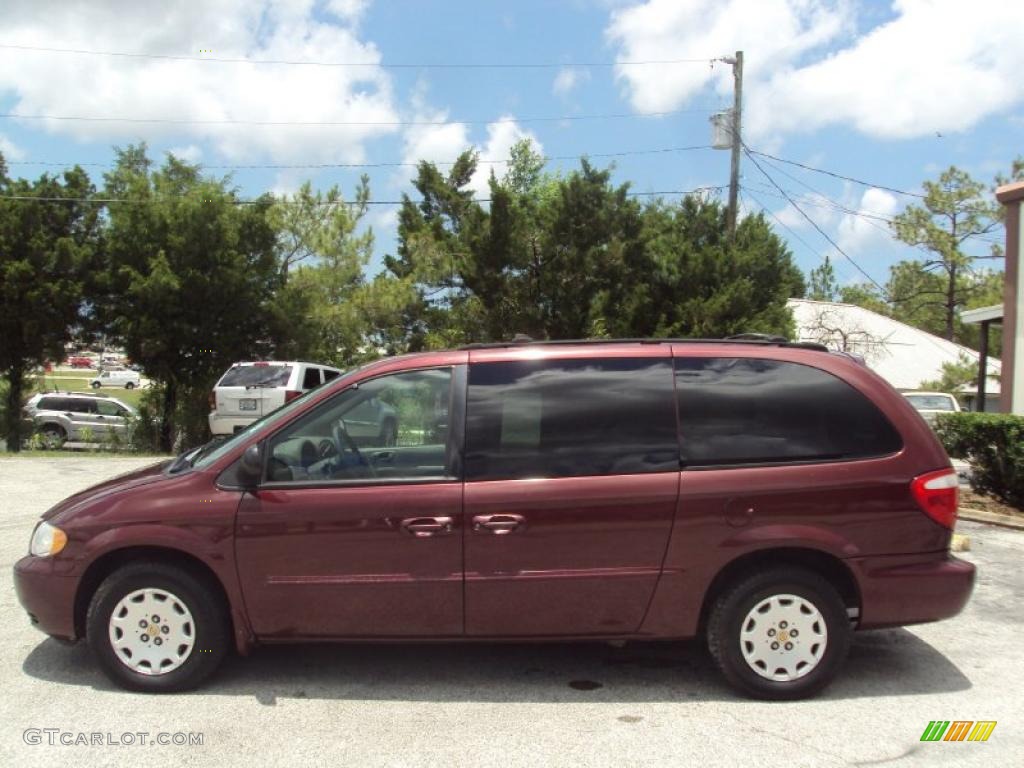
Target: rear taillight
{"points": [[212, 400], [937, 493], [290, 394]]}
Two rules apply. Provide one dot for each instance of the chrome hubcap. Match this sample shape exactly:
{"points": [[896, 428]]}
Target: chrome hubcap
{"points": [[783, 637], [152, 631]]}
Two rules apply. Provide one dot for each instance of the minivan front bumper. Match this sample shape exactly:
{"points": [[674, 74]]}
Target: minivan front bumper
{"points": [[911, 589], [48, 597]]}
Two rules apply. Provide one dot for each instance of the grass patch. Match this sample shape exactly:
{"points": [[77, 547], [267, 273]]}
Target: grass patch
{"points": [[99, 453]]}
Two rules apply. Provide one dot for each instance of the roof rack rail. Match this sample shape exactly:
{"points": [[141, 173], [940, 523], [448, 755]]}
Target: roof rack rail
{"points": [[755, 339], [74, 392]]}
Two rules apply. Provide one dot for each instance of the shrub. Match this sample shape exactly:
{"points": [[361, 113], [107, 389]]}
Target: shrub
{"points": [[994, 444], [143, 433]]}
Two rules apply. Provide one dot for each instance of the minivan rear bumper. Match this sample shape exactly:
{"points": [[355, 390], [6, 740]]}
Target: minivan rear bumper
{"points": [[911, 589]]}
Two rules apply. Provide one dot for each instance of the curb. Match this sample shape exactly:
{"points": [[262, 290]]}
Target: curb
{"points": [[991, 518]]}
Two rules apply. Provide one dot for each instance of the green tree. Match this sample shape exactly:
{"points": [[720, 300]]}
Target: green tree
{"points": [[190, 274], [954, 376], [320, 241], [823, 282], [696, 281], [47, 251], [956, 209], [576, 256]]}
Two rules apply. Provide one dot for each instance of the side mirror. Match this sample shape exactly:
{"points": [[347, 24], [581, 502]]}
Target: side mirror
{"points": [[250, 467]]}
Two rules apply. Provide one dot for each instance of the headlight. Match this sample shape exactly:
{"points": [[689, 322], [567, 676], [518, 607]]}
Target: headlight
{"points": [[47, 540]]}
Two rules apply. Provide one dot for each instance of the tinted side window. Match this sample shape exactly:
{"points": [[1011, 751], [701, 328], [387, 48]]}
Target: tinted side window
{"points": [[77, 405], [569, 418], [752, 411], [52, 404], [107, 408], [330, 375], [311, 378]]}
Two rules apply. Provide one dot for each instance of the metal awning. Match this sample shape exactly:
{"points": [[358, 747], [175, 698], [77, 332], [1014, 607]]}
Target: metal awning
{"points": [[983, 314]]}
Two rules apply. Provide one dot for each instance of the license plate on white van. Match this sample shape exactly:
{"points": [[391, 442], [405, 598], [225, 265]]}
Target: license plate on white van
{"points": [[247, 404]]}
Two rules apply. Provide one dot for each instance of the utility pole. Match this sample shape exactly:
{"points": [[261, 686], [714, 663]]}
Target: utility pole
{"points": [[737, 112]]}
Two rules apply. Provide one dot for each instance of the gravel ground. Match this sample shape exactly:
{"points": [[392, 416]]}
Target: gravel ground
{"points": [[501, 705]]}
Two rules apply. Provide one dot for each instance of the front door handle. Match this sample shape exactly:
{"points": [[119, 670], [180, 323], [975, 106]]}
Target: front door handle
{"points": [[421, 527], [500, 524]]}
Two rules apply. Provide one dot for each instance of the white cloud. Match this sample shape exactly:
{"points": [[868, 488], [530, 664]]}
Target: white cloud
{"points": [[443, 143], [10, 150], [568, 78], [501, 136], [859, 234], [66, 84], [936, 65], [348, 10], [190, 154], [770, 31]]}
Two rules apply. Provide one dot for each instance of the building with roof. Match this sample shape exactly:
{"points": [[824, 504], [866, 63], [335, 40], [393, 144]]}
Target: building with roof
{"points": [[1009, 314], [903, 355]]}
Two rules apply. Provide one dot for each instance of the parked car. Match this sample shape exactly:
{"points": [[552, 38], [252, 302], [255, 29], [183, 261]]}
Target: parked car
{"points": [[80, 362], [248, 391], [116, 377], [931, 404], [770, 496], [60, 417]]}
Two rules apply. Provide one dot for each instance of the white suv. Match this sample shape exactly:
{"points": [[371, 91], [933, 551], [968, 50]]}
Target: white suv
{"points": [[249, 390]]}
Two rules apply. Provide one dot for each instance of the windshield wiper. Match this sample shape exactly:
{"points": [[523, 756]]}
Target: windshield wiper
{"points": [[189, 457]]}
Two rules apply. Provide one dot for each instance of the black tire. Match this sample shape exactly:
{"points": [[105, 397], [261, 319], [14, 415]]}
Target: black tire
{"points": [[95, 385], [53, 436], [129, 385], [731, 609], [212, 628]]}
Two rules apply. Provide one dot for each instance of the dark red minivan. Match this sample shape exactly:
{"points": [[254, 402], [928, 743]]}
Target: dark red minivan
{"points": [[771, 496]]}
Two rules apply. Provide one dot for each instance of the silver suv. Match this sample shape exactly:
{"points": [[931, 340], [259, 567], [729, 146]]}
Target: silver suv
{"points": [[60, 417]]}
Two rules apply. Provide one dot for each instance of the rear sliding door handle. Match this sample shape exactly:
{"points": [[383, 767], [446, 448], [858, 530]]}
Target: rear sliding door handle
{"points": [[500, 524], [421, 527]]}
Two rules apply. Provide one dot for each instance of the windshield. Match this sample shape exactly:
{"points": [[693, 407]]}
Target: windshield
{"points": [[256, 376], [260, 426], [932, 402]]}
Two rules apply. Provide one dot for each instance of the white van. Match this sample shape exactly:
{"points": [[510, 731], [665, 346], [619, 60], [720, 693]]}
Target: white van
{"points": [[247, 391], [116, 377]]}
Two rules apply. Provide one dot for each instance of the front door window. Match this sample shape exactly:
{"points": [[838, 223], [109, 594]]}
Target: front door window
{"points": [[391, 427]]}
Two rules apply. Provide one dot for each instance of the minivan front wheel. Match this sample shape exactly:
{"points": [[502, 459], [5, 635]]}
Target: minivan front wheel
{"points": [[780, 634], [157, 628]]}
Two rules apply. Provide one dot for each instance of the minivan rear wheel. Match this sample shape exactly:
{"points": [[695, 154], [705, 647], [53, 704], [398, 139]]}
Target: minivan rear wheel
{"points": [[780, 634], [157, 628]]}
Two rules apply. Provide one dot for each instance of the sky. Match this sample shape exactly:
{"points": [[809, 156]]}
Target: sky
{"points": [[890, 93]]}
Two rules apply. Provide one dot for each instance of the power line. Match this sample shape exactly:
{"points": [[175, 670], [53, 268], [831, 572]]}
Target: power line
{"points": [[480, 161], [813, 223], [152, 200], [783, 224], [825, 202], [396, 123], [364, 64], [835, 175]]}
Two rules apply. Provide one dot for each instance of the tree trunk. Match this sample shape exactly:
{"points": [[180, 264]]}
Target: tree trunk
{"points": [[167, 416], [950, 303], [16, 380]]}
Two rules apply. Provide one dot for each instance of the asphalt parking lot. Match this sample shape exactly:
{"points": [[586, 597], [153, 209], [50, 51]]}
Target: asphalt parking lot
{"points": [[515, 705]]}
